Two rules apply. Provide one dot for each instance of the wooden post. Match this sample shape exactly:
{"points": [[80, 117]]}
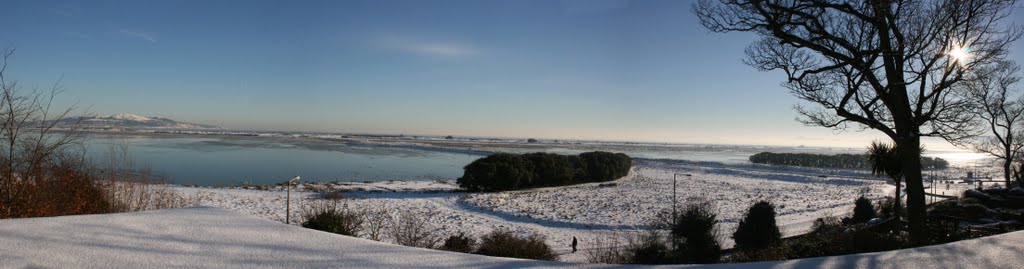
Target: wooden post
{"points": [[288, 205], [674, 212], [288, 202]]}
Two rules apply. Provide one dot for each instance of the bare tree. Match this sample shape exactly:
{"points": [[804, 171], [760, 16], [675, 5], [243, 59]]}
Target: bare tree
{"points": [[1001, 110], [31, 146], [888, 65]]}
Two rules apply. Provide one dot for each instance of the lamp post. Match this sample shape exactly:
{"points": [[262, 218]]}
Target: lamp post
{"points": [[675, 212], [288, 202]]}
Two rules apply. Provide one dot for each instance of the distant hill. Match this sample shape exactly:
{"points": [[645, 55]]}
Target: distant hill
{"points": [[130, 121]]}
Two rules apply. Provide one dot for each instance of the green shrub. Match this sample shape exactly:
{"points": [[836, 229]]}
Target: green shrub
{"points": [[829, 237], [865, 240], [605, 166], [696, 234], [842, 161], [504, 171], [825, 239], [972, 211], [863, 211], [551, 169], [886, 208], [503, 243], [498, 172], [757, 230], [459, 243], [947, 208], [329, 217]]}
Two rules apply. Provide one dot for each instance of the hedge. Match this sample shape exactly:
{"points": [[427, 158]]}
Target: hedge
{"points": [[842, 161], [504, 171]]}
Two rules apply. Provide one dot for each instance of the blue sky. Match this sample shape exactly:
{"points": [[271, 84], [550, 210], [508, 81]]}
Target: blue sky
{"points": [[589, 69]]}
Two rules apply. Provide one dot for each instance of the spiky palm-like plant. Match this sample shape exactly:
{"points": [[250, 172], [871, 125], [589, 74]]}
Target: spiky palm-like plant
{"points": [[884, 159]]}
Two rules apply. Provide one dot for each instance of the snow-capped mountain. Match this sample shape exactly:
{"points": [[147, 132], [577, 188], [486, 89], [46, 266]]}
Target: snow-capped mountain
{"points": [[130, 121]]}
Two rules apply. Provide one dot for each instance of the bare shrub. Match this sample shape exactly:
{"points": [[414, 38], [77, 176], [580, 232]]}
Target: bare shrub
{"points": [[42, 171], [328, 216], [645, 247], [503, 243], [648, 248], [377, 218], [64, 190], [414, 229], [609, 249]]}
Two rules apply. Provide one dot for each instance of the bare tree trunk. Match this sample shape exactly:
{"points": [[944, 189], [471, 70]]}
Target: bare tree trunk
{"points": [[908, 141], [896, 203], [911, 160], [1006, 173], [1007, 161]]}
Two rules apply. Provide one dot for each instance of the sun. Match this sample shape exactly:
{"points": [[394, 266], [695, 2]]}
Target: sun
{"points": [[960, 54]]}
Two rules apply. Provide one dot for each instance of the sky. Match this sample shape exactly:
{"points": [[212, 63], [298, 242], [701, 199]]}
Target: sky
{"points": [[587, 69]]}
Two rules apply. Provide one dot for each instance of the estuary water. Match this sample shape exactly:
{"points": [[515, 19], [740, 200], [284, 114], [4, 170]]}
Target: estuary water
{"points": [[234, 160], [218, 161]]}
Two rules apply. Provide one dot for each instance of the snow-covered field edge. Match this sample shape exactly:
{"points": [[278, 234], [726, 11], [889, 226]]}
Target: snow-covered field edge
{"points": [[587, 211]]}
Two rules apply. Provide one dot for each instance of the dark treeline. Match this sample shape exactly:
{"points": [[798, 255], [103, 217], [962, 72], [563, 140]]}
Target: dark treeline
{"points": [[842, 161], [504, 171]]}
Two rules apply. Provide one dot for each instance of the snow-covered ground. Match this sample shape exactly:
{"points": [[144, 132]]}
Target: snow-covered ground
{"points": [[587, 211], [207, 237]]}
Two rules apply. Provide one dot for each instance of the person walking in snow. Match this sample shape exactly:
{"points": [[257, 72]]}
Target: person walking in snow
{"points": [[573, 244]]}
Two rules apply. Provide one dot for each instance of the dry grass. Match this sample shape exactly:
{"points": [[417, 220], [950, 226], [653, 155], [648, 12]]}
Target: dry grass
{"points": [[608, 249], [129, 190]]}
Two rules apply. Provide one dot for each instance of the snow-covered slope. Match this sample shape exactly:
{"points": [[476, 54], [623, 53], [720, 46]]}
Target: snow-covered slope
{"points": [[206, 237], [130, 121]]}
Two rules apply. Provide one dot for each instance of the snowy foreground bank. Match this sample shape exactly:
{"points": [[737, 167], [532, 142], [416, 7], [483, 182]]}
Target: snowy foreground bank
{"points": [[206, 237]]}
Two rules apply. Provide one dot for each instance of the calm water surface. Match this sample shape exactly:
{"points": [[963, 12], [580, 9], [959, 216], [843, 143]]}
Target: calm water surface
{"points": [[231, 160], [213, 161]]}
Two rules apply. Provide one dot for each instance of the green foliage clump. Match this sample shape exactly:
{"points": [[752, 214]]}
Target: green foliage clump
{"points": [[504, 171], [696, 235], [459, 243], [498, 172], [829, 237], [863, 211], [503, 243], [757, 230], [888, 208]]}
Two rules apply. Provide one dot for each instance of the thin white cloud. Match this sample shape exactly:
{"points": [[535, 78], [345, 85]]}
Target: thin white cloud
{"points": [[74, 34], [435, 49], [143, 35], [65, 10], [442, 49]]}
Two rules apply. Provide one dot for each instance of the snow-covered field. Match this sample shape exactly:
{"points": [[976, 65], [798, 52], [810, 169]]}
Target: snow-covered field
{"points": [[587, 211]]}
